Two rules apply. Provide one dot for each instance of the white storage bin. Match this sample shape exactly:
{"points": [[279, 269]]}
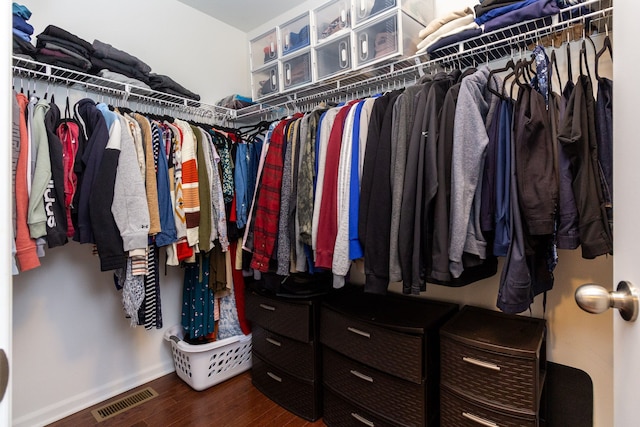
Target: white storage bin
{"points": [[421, 10], [390, 36], [295, 34], [296, 71], [264, 49], [334, 57], [332, 19], [204, 365], [265, 82]]}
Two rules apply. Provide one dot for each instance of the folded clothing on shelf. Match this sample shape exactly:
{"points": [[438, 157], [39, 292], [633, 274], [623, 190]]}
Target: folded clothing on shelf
{"points": [[59, 47], [166, 84], [235, 102], [106, 51]]}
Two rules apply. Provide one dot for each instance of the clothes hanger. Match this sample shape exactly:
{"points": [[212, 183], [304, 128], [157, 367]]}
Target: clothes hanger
{"points": [[553, 63], [605, 47], [583, 59], [510, 65]]}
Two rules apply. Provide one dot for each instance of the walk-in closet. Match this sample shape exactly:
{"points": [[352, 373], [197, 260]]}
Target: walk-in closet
{"points": [[431, 117]]}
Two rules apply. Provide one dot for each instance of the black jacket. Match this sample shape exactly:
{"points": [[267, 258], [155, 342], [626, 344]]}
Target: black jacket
{"points": [[54, 194]]}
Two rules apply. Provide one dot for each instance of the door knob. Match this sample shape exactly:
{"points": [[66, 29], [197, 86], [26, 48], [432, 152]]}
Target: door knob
{"points": [[596, 299]]}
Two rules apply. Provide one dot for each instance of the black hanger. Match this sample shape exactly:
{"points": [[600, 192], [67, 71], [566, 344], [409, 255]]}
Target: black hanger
{"points": [[605, 47], [553, 62], [569, 71], [583, 59], [509, 66]]}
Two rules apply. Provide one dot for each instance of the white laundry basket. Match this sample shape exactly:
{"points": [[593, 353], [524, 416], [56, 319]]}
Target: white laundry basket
{"points": [[204, 365]]}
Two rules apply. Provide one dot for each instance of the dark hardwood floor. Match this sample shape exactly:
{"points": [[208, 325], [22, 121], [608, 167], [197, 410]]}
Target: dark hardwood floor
{"points": [[233, 403]]}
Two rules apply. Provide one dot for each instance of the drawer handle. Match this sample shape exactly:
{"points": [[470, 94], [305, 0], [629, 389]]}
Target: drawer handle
{"points": [[268, 307], [479, 420], [275, 377], [274, 342], [482, 364], [362, 419], [361, 376], [359, 332]]}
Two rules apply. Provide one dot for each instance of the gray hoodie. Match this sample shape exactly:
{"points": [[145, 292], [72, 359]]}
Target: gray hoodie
{"points": [[473, 114]]}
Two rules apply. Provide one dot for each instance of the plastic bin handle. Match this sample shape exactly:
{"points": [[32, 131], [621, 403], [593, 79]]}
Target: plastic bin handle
{"points": [[482, 364], [479, 420], [362, 419], [175, 339]]}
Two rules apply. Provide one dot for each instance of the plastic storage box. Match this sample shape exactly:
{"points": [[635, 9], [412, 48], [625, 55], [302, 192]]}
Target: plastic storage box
{"points": [[421, 10], [264, 49], [332, 20], [390, 36], [297, 71], [205, 365], [295, 34], [265, 82], [334, 57]]}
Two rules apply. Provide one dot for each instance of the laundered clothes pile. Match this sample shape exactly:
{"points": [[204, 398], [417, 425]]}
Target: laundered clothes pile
{"points": [[22, 31], [488, 16], [59, 47], [117, 65], [21, 28]]}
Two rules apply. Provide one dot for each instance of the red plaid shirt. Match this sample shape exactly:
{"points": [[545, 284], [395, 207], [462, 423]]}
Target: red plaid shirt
{"points": [[267, 212]]}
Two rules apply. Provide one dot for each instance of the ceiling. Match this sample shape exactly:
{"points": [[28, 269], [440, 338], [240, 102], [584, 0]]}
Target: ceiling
{"points": [[246, 15]]}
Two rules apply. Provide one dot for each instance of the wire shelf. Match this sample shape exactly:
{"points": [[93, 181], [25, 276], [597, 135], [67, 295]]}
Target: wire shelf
{"points": [[30, 69], [590, 15], [595, 15]]}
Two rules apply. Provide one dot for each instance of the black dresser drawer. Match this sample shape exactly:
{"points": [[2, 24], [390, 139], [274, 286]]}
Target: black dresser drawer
{"points": [[288, 318], [294, 394], [340, 413], [397, 353], [381, 393], [458, 411], [494, 358], [296, 357]]}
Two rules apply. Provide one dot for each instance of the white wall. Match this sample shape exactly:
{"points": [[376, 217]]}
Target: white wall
{"points": [[205, 55], [72, 345]]}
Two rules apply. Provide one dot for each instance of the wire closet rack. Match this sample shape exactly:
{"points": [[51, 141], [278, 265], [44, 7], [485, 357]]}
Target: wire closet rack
{"points": [[50, 74], [588, 17]]}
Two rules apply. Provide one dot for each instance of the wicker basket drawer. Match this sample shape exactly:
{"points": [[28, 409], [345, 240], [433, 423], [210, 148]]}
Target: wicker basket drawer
{"points": [[290, 319], [494, 358], [295, 357], [397, 353], [298, 396], [381, 393], [457, 411], [341, 413]]}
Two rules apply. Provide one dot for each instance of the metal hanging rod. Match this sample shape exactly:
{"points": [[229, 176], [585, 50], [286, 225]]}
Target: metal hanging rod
{"points": [[30, 69]]}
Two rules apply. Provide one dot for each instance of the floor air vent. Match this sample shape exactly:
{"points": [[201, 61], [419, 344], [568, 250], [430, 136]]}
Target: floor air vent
{"points": [[124, 404]]}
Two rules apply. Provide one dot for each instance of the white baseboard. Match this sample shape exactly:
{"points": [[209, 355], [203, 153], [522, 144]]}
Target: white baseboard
{"points": [[89, 398]]}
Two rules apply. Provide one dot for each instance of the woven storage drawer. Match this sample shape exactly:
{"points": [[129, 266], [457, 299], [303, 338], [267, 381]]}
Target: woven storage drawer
{"points": [[394, 352], [494, 358], [456, 411], [295, 357], [340, 413], [205, 365], [296, 395], [290, 319], [382, 393]]}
